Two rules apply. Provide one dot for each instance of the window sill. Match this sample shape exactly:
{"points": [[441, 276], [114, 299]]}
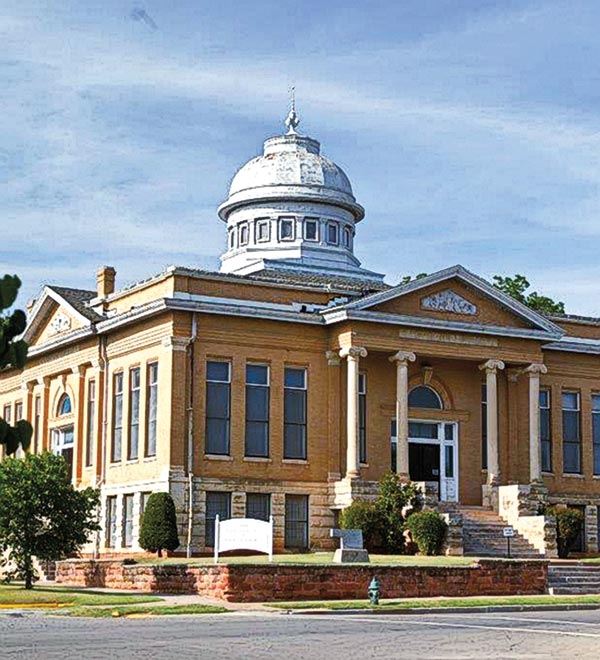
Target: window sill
{"points": [[257, 459], [295, 461], [547, 474], [114, 464], [132, 461], [148, 459], [364, 465], [217, 457], [573, 475]]}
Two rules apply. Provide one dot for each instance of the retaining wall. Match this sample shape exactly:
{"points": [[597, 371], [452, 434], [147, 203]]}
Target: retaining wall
{"points": [[261, 583]]}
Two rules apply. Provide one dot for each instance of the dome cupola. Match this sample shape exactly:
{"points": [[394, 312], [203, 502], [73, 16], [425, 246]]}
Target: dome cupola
{"points": [[292, 208]]}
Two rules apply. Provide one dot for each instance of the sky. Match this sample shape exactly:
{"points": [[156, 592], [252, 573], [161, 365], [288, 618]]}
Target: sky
{"points": [[470, 130]]}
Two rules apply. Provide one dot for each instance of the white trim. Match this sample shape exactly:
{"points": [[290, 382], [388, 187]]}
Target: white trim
{"points": [[337, 314], [46, 294]]}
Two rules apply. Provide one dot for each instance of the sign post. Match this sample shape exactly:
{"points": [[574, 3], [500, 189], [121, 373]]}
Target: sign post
{"points": [[508, 533]]}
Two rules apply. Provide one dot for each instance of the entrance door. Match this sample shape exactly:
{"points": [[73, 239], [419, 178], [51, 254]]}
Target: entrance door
{"points": [[424, 462]]}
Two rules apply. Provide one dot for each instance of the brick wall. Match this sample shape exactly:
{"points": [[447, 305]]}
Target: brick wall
{"points": [[258, 583]]}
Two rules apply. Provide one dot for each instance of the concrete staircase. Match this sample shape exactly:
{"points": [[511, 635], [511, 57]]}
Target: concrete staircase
{"points": [[482, 536], [573, 579]]}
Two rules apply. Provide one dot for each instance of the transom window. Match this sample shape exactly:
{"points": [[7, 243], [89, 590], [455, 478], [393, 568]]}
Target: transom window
{"points": [[424, 397], [64, 405]]}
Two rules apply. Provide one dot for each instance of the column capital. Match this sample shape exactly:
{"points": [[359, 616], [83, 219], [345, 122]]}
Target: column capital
{"points": [[176, 343], [98, 363], [403, 356], [28, 385], [79, 370], [492, 366], [333, 358], [44, 380], [536, 369], [353, 352]]}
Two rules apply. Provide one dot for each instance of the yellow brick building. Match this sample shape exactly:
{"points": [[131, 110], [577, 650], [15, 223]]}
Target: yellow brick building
{"points": [[291, 380]]}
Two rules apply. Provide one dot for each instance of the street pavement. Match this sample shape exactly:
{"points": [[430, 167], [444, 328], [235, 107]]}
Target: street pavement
{"points": [[256, 635]]}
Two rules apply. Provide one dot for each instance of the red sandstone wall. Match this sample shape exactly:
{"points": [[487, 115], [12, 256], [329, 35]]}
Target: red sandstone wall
{"points": [[258, 583]]}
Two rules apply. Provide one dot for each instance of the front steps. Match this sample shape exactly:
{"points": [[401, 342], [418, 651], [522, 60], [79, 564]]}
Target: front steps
{"points": [[573, 579], [482, 536]]}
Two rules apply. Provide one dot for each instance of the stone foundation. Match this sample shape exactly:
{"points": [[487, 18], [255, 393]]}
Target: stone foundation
{"points": [[279, 582]]}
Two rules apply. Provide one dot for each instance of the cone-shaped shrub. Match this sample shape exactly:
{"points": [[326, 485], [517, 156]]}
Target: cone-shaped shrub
{"points": [[159, 524]]}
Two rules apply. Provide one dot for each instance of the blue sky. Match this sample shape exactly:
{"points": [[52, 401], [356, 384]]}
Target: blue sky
{"points": [[469, 129]]}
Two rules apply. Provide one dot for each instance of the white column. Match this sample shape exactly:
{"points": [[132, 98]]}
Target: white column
{"points": [[402, 358], [353, 354], [491, 368], [535, 449]]}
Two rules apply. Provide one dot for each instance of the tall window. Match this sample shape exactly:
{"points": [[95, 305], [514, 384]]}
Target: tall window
{"points": [[596, 431], [7, 413], [311, 229], [111, 521], [91, 414], [257, 410], [37, 424], [296, 521], [117, 435], [545, 431], [134, 413], [151, 408], [217, 504], [571, 433], [128, 521], [218, 407], [294, 413], [332, 233], [258, 505], [483, 427], [18, 411], [143, 501], [362, 417], [62, 445]]}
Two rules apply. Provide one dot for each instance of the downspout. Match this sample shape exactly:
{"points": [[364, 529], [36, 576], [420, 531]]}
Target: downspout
{"points": [[104, 363], [190, 431]]}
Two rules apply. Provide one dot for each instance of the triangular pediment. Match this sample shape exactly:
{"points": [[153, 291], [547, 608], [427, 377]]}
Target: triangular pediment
{"points": [[457, 297], [54, 316]]}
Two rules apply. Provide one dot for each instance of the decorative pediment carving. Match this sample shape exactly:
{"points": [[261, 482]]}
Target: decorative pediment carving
{"points": [[448, 301], [60, 323]]}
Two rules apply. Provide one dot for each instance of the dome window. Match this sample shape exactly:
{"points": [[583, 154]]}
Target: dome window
{"points": [[244, 234], [346, 237], [262, 231], [286, 229], [332, 233], [424, 397], [231, 238], [64, 405], [311, 229]]}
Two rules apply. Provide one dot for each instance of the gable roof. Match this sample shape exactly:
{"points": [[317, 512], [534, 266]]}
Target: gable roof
{"points": [[455, 272], [72, 300]]}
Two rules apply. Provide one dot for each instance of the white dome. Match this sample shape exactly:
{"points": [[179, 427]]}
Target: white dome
{"points": [[291, 168]]}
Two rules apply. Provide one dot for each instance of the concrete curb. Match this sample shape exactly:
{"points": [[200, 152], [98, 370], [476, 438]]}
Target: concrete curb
{"points": [[488, 609]]}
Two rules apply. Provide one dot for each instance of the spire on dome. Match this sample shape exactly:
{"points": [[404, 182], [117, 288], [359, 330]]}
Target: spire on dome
{"points": [[292, 120]]}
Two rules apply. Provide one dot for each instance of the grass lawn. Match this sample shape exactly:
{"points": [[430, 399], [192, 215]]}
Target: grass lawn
{"points": [[316, 558], [133, 611], [14, 594], [408, 604]]}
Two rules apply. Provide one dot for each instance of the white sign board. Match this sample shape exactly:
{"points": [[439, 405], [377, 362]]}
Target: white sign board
{"points": [[508, 532], [243, 534]]}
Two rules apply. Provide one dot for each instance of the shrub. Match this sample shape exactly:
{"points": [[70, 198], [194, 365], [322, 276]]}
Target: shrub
{"points": [[363, 516], [568, 527], [428, 530], [394, 498], [159, 524]]}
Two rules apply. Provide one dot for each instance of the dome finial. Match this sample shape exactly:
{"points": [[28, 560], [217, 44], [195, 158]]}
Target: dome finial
{"points": [[292, 120]]}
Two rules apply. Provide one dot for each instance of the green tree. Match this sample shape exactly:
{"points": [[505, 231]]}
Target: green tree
{"points": [[568, 527], [41, 514], [13, 353], [159, 524], [517, 286]]}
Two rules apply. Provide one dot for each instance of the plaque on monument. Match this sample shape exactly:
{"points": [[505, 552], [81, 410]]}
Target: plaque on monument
{"points": [[351, 548]]}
